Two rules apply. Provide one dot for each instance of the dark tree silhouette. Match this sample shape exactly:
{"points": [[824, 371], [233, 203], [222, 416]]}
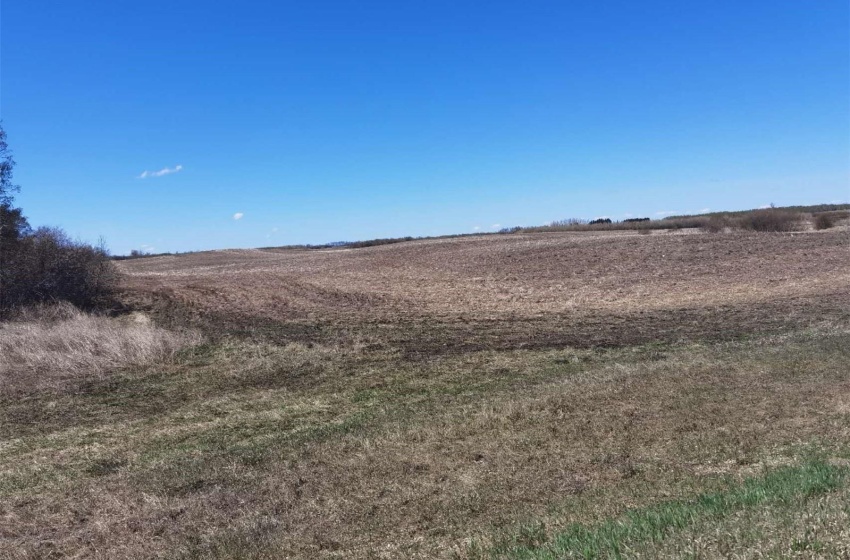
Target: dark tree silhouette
{"points": [[12, 222], [44, 265]]}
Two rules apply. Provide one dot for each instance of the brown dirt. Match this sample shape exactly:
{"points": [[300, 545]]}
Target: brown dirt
{"points": [[511, 291]]}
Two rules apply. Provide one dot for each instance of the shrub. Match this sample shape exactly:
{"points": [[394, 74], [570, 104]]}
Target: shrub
{"points": [[716, 224], [515, 229], [770, 220], [48, 266], [824, 221]]}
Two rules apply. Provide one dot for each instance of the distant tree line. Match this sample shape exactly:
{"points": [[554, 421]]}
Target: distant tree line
{"points": [[790, 218], [44, 264]]}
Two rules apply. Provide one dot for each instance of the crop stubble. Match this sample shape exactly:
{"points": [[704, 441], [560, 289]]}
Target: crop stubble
{"points": [[512, 291]]}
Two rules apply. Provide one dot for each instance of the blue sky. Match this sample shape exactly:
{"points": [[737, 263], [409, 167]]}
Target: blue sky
{"points": [[322, 121]]}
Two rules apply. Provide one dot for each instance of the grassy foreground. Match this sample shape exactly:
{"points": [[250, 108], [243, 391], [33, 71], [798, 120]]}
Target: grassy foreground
{"points": [[668, 527], [240, 449]]}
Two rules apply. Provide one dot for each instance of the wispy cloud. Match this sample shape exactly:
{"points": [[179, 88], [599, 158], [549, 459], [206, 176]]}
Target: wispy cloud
{"points": [[238, 215], [164, 171], [667, 212], [476, 228], [495, 226]]}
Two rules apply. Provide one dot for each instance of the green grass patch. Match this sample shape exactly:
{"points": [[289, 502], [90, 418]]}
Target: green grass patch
{"points": [[784, 487]]}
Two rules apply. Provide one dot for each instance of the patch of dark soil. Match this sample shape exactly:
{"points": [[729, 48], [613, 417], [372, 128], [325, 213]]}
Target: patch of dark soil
{"points": [[421, 340]]}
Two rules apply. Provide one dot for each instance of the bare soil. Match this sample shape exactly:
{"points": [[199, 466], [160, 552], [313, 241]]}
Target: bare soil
{"points": [[511, 291]]}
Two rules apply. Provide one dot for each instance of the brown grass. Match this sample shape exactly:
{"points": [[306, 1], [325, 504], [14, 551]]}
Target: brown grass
{"points": [[46, 345], [368, 457], [406, 401]]}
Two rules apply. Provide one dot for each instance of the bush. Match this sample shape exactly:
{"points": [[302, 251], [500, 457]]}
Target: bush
{"points": [[48, 266], [824, 221], [716, 224], [770, 220]]}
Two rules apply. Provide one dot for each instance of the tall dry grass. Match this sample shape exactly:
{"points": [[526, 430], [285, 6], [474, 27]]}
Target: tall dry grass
{"points": [[50, 344]]}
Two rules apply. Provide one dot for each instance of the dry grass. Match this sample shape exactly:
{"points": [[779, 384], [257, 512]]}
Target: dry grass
{"points": [[50, 344], [250, 451], [409, 400]]}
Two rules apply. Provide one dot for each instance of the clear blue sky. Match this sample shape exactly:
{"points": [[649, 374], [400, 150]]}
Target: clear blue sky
{"points": [[323, 121]]}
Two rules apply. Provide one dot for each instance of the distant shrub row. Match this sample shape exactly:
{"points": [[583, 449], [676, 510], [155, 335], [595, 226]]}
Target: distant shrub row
{"points": [[767, 220], [813, 209], [137, 254], [574, 224], [369, 242]]}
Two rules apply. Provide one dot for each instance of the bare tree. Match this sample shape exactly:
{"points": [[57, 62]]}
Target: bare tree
{"points": [[44, 265]]}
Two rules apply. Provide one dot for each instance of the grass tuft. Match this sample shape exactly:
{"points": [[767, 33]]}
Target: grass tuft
{"points": [[47, 345]]}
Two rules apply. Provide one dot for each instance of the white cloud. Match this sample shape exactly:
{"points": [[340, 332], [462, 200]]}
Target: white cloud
{"points": [[667, 212], [704, 210], [164, 171], [238, 215], [476, 228], [496, 226]]}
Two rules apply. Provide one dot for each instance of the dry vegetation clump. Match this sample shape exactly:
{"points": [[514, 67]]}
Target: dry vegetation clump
{"points": [[47, 266], [47, 344], [770, 220], [824, 221], [718, 224]]}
